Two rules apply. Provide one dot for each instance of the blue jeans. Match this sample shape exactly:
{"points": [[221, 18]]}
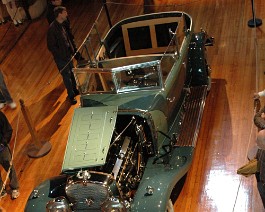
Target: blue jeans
{"points": [[68, 77], [4, 93]]}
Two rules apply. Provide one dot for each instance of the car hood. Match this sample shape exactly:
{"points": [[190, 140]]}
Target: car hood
{"points": [[89, 138], [93, 124]]}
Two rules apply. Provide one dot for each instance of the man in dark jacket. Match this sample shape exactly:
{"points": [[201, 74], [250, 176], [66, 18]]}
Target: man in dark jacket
{"points": [[50, 18], [5, 156], [61, 47]]}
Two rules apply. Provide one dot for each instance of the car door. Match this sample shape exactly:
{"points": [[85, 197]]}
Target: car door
{"points": [[174, 98]]}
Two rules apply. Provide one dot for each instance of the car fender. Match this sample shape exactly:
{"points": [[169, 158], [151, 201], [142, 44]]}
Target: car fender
{"points": [[159, 180], [39, 202], [45, 192], [197, 59]]}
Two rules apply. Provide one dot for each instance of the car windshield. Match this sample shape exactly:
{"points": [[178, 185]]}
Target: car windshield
{"points": [[141, 76]]}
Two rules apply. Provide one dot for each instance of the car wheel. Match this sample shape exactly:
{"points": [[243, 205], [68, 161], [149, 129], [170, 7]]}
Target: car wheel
{"points": [[170, 207]]}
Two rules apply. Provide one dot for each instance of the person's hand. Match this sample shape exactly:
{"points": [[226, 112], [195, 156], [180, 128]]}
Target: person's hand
{"points": [[263, 115], [256, 96]]}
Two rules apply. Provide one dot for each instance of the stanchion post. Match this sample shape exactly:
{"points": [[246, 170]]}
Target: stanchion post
{"points": [[107, 12], [254, 22], [37, 148]]}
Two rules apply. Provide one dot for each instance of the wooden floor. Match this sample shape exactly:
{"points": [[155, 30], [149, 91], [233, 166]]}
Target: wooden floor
{"points": [[237, 61]]}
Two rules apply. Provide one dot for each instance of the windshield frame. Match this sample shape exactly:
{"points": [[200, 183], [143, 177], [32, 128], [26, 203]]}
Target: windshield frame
{"points": [[140, 76]]}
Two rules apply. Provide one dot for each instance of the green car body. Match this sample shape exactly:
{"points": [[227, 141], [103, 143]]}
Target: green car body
{"points": [[133, 138]]}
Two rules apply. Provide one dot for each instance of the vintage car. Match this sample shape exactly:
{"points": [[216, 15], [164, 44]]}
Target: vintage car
{"points": [[133, 138]]}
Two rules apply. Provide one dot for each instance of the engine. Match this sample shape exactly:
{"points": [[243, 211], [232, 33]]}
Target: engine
{"points": [[111, 187]]}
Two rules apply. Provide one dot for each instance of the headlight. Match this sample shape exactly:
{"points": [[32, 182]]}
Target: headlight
{"points": [[58, 204], [113, 205]]}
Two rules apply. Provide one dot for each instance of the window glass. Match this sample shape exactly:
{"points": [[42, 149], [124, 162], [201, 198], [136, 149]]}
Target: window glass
{"points": [[140, 38], [162, 33]]}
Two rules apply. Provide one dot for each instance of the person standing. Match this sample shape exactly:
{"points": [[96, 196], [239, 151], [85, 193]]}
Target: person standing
{"points": [[5, 97], [61, 47], [50, 18], [6, 158], [13, 11], [2, 20], [259, 121]]}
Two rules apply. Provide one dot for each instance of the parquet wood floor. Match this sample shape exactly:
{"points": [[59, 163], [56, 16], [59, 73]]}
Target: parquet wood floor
{"points": [[227, 132]]}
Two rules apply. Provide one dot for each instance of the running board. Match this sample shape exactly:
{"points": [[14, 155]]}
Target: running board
{"points": [[193, 108]]}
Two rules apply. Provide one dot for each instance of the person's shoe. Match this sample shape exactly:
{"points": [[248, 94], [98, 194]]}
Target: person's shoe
{"points": [[3, 194], [73, 101], [2, 105], [15, 193], [3, 21], [12, 105], [15, 22], [19, 21]]}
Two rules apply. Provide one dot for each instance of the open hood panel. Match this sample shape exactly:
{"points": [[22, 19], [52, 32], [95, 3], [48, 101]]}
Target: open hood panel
{"points": [[89, 137]]}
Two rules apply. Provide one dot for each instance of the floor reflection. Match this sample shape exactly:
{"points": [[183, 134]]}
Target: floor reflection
{"points": [[221, 189], [9, 36]]}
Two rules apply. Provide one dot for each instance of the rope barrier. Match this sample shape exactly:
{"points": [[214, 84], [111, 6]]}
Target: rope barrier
{"points": [[12, 157], [153, 5], [255, 108], [249, 140]]}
